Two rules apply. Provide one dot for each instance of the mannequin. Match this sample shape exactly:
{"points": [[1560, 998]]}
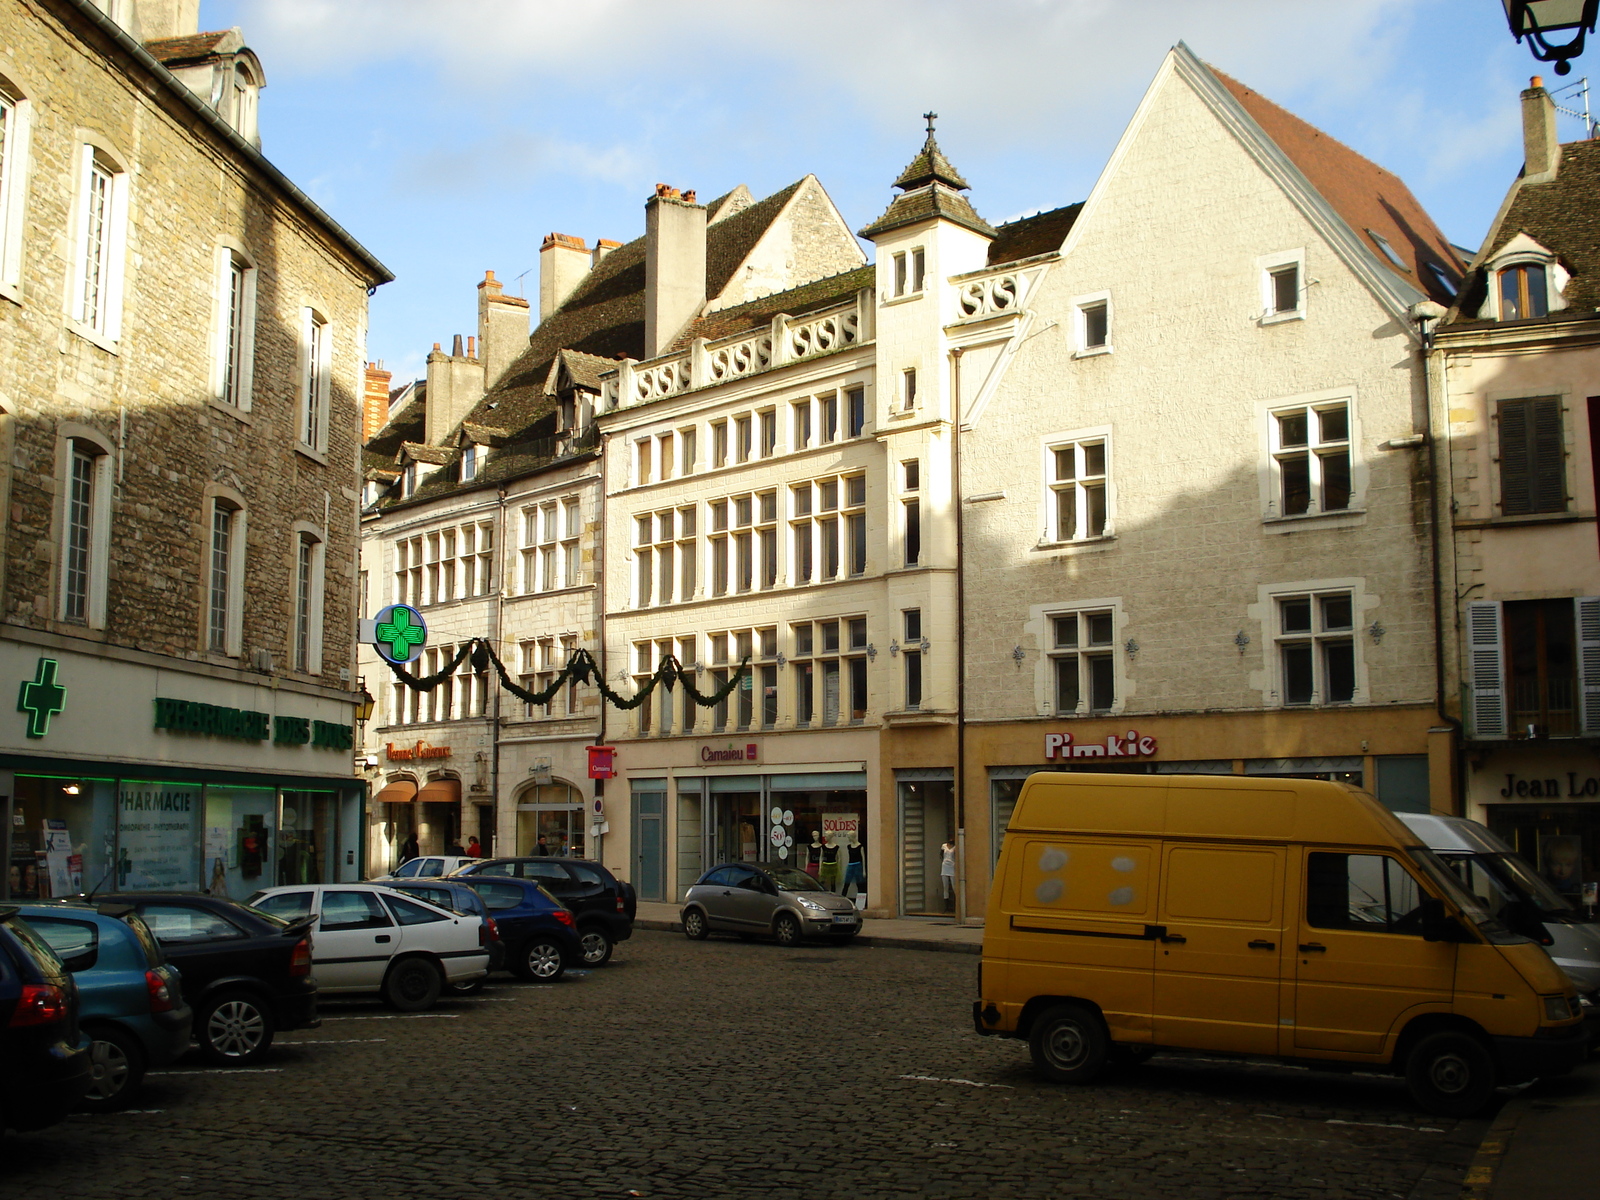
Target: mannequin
{"points": [[947, 876], [855, 866], [813, 853], [831, 868]]}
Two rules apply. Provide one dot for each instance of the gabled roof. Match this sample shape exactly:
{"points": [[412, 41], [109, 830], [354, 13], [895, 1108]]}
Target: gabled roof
{"points": [[1368, 198], [1563, 215], [1041, 233], [194, 47]]}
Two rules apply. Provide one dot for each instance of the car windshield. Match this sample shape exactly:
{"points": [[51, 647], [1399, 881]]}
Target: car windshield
{"points": [[1517, 874], [1471, 907], [790, 880]]}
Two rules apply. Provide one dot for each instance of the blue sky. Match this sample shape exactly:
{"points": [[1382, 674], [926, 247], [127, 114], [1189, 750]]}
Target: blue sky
{"points": [[450, 137]]}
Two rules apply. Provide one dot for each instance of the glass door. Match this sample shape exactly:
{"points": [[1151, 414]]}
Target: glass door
{"points": [[927, 826]]}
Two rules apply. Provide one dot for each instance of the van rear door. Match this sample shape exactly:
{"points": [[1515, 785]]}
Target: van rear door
{"points": [[1217, 972], [1360, 963]]}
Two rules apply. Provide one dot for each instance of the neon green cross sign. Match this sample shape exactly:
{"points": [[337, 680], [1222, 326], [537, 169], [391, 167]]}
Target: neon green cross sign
{"points": [[396, 636], [42, 698]]}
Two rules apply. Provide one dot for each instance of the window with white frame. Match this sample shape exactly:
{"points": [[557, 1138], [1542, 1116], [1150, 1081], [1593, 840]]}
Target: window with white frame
{"points": [[687, 447], [666, 454], [911, 656], [468, 468], [688, 655], [1283, 286], [644, 454], [718, 546], [1079, 499], [1311, 458], [688, 560], [828, 418], [102, 214], [439, 704], [830, 671], [1083, 661], [571, 546], [719, 443], [802, 424], [743, 443], [236, 305], [85, 521], [644, 666], [316, 362], [744, 544], [477, 555], [655, 556], [1316, 647], [408, 572], [308, 572], [769, 432], [408, 480], [224, 577], [908, 389], [767, 539], [855, 401], [910, 271], [829, 528], [1092, 324], [14, 136]]}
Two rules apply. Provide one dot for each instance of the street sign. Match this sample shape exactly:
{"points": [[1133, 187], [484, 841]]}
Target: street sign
{"points": [[398, 633]]}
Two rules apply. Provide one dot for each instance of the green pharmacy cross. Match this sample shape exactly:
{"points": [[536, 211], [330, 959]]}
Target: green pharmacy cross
{"points": [[398, 633], [42, 698]]}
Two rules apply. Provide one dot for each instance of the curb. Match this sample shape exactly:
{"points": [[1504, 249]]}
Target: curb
{"points": [[859, 940], [1479, 1181]]}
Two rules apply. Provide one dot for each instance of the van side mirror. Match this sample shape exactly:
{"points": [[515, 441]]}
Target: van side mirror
{"points": [[1436, 924]]}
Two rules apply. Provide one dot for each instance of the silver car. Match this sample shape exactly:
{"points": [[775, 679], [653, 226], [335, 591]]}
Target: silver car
{"points": [[761, 898]]}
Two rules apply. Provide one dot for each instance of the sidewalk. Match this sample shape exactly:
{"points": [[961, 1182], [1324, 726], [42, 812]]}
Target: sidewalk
{"points": [[1544, 1145], [904, 933]]}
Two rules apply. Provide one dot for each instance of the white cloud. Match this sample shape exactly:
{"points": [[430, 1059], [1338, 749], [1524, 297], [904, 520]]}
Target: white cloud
{"points": [[511, 156]]}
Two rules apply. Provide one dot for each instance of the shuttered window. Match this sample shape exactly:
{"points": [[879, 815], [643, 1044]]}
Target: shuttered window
{"points": [[1533, 476], [1487, 670]]}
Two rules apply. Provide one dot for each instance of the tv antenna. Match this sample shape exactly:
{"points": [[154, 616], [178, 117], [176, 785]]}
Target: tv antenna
{"points": [[1577, 94]]}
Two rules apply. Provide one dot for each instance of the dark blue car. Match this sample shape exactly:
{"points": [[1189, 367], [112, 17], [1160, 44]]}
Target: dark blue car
{"points": [[44, 1058], [539, 932]]}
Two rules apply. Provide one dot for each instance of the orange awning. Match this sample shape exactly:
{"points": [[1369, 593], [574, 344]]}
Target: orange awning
{"points": [[401, 791], [440, 791]]}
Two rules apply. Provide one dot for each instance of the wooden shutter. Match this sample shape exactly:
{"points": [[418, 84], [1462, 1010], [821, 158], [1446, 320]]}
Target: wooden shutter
{"points": [[1532, 457], [1589, 663], [1515, 485], [1486, 663]]}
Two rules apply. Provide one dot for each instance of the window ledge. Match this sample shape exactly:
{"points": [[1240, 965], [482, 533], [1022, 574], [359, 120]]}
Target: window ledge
{"points": [[1516, 520], [314, 455], [1279, 318], [1101, 542], [94, 337], [240, 414], [11, 291], [905, 299], [1344, 516], [1092, 351]]}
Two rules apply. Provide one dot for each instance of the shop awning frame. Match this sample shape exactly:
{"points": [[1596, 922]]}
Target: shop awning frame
{"points": [[401, 791]]}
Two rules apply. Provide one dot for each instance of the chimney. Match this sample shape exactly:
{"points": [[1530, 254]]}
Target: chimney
{"points": [[602, 248], [563, 262], [455, 385], [1541, 152], [158, 19], [502, 328], [375, 401], [674, 266]]}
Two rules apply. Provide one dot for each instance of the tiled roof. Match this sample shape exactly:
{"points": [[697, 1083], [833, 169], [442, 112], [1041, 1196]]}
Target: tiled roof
{"points": [[1368, 198], [422, 452], [924, 203], [808, 297], [730, 240], [1041, 233], [1563, 216], [407, 425], [929, 166], [190, 48]]}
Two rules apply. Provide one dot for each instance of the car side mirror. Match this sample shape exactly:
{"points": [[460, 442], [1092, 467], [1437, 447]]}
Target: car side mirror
{"points": [[1436, 924]]}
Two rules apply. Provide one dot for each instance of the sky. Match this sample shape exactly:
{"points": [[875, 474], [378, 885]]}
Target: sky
{"points": [[450, 136]]}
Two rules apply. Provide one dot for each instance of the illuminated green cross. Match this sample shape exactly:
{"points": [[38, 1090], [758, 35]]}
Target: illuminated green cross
{"points": [[399, 634], [42, 698]]}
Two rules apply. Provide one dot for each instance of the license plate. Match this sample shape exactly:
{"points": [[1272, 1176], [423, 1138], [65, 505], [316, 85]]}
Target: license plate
{"points": [[843, 919]]}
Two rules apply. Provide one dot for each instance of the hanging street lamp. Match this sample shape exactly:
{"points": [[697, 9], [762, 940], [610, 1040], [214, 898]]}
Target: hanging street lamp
{"points": [[1537, 19]]}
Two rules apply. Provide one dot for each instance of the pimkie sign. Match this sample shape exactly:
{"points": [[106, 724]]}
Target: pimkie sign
{"points": [[1133, 744]]}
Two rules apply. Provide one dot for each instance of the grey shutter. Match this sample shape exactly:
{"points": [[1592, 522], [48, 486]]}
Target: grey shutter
{"points": [[1589, 662], [1486, 664]]}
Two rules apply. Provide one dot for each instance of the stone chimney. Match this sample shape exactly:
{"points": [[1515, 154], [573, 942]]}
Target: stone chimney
{"points": [[602, 248], [455, 385], [563, 262], [674, 265], [157, 19], [1541, 152], [502, 328], [375, 401]]}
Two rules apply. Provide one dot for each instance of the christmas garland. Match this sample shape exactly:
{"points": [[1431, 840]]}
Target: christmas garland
{"points": [[580, 668]]}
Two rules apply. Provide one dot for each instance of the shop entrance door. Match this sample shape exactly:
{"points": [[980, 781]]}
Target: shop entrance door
{"points": [[927, 821], [650, 844], [736, 829]]}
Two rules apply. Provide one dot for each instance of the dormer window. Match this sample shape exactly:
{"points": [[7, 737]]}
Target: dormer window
{"points": [[1523, 292], [244, 104], [408, 480], [569, 414], [469, 463]]}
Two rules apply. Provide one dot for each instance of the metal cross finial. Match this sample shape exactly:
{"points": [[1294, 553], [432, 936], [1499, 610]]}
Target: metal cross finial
{"points": [[930, 118]]}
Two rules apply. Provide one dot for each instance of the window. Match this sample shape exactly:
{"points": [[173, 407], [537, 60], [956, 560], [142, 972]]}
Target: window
{"points": [[97, 278], [856, 664], [1532, 457], [719, 443], [743, 543], [469, 463], [856, 403], [908, 389], [1285, 289], [1387, 250], [244, 106], [855, 523], [236, 305], [767, 537], [316, 352], [1083, 660], [1093, 321], [1078, 508], [1283, 286], [688, 655], [686, 444], [83, 527], [769, 433], [719, 548], [571, 549], [1541, 643], [1523, 292], [14, 130], [642, 456], [828, 407], [830, 657], [352, 910], [919, 269], [1316, 648], [665, 449], [912, 469], [478, 560], [408, 572], [1311, 458], [804, 676], [408, 480], [911, 653], [224, 578], [910, 271], [688, 578], [308, 568], [1369, 892], [742, 444], [913, 532], [802, 424]]}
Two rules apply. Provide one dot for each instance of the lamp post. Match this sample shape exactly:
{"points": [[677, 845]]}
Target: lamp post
{"points": [[364, 705], [1537, 19]]}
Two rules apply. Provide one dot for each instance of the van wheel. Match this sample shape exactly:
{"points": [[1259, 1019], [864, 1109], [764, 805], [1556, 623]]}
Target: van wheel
{"points": [[412, 986], [1069, 1044], [1450, 1074]]}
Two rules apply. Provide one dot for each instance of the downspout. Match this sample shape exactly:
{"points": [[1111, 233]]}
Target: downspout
{"points": [[499, 606], [600, 633], [961, 641]]}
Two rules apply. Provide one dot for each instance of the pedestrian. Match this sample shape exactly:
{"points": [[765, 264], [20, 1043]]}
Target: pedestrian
{"points": [[474, 850], [947, 876], [455, 849], [542, 849], [409, 849]]}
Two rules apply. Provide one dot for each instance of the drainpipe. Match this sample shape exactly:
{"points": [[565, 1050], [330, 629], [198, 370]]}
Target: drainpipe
{"points": [[499, 604], [600, 625], [961, 642]]}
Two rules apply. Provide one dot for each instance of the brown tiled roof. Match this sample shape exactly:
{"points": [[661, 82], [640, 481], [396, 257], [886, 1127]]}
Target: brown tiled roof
{"points": [[1365, 195], [808, 297], [928, 166], [923, 203], [1563, 216], [422, 452], [190, 48], [730, 240], [407, 425], [1041, 233]]}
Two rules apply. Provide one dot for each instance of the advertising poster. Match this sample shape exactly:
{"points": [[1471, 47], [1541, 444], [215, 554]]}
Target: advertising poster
{"points": [[157, 824], [57, 856]]}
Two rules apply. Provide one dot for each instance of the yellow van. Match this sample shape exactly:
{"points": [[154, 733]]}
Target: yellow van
{"points": [[1232, 915]]}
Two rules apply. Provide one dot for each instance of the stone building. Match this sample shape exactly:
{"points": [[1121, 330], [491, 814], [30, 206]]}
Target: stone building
{"points": [[181, 341], [1516, 363], [495, 457]]}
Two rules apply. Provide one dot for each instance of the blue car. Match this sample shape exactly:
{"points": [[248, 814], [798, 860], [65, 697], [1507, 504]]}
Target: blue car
{"points": [[539, 932], [130, 1002]]}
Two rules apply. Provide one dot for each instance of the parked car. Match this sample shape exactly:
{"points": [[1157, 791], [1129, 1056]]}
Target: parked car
{"points": [[246, 974], [763, 898], [1513, 891], [130, 1002], [368, 938], [464, 902], [603, 904], [430, 866], [540, 932], [44, 1056]]}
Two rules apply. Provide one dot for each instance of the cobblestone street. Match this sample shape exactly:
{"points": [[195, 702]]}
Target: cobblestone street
{"points": [[724, 1069]]}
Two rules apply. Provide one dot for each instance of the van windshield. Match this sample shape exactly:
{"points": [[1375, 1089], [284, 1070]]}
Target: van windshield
{"points": [[1471, 907]]}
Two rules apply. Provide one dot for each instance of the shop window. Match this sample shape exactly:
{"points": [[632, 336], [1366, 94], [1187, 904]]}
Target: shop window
{"points": [[1317, 648], [1311, 463], [1533, 476], [63, 839], [927, 828], [1562, 841]]}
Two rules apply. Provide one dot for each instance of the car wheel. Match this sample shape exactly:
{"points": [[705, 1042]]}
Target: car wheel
{"points": [[1069, 1044], [233, 1029], [116, 1069], [1450, 1074], [787, 929], [597, 946], [469, 988], [412, 985], [541, 961], [694, 925]]}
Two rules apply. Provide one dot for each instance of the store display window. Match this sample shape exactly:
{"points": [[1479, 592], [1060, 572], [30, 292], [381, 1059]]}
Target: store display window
{"points": [[158, 826], [1562, 841], [63, 838], [240, 827]]}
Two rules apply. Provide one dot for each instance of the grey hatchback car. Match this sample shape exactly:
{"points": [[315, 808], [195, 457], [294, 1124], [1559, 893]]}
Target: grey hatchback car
{"points": [[760, 898]]}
